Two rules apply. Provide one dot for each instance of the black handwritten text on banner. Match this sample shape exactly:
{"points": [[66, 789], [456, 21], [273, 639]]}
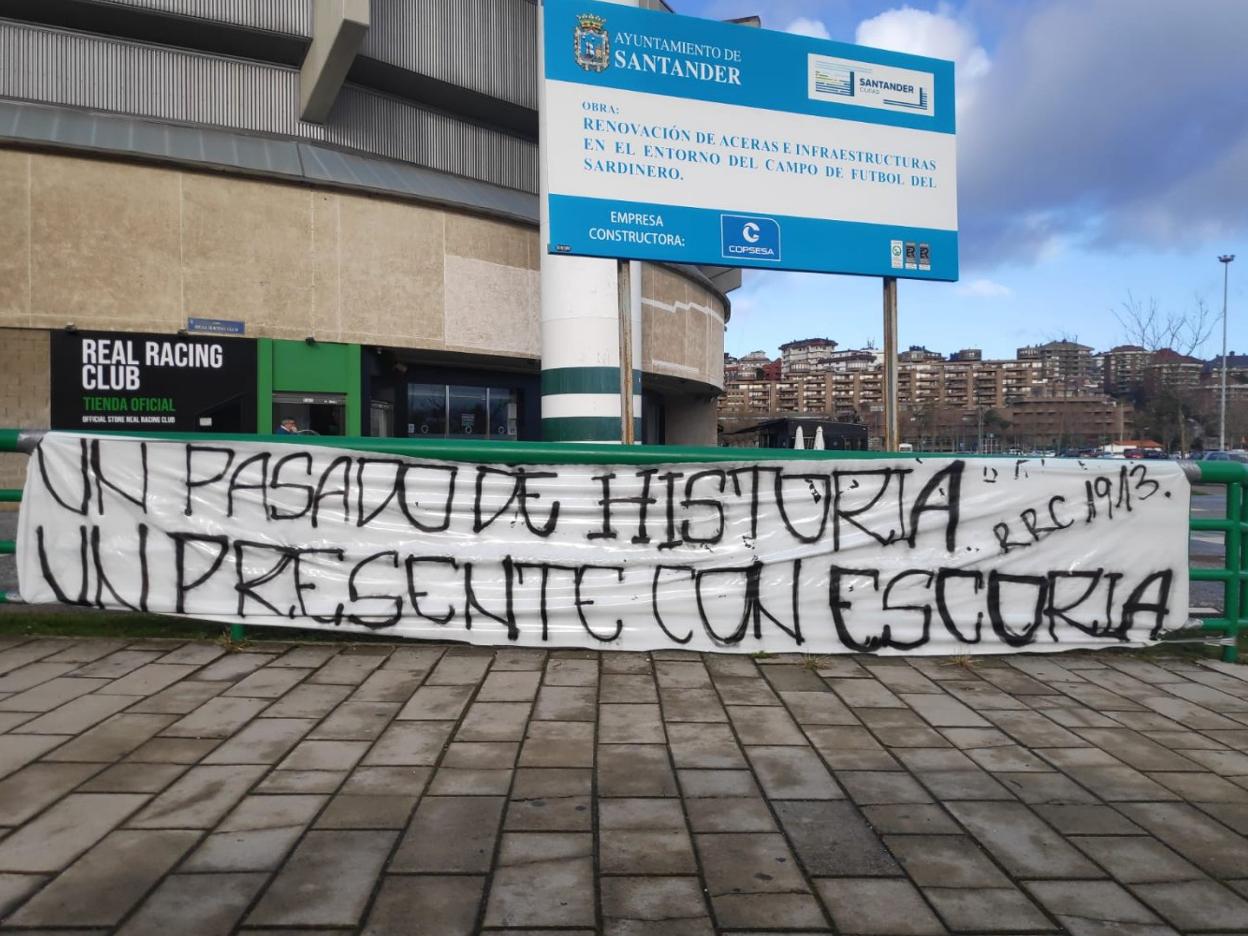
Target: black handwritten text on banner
{"points": [[891, 555]]}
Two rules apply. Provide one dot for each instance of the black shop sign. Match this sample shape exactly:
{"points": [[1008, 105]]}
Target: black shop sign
{"points": [[134, 380]]}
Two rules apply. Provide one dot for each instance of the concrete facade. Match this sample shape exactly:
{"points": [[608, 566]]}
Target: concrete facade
{"points": [[23, 392], [682, 326], [114, 245], [358, 172]]}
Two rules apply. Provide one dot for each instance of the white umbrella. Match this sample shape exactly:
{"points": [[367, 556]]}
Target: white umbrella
{"points": [[799, 440], [818, 438]]}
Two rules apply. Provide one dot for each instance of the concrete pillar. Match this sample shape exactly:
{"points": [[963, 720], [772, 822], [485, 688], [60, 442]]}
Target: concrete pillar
{"points": [[691, 419], [580, 323], [338, 28]]}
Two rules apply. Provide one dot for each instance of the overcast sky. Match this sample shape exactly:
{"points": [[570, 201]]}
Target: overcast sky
{"points": [[1102, 149]]}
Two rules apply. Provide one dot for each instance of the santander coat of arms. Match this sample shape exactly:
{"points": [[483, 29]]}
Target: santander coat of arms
{"points": [[591, 44]]}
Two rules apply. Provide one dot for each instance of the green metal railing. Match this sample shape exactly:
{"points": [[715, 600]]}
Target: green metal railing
{"points": [[13, 440], [1232, 475], [1234, 572]]}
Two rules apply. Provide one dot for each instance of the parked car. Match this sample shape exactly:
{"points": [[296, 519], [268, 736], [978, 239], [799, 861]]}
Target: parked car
{"points": [[1235, 456]]}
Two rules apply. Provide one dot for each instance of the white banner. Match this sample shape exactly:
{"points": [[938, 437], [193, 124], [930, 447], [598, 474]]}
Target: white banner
{"points": [[921, 556]]}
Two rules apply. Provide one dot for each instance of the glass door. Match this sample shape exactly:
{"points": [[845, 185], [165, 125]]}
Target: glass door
{"points": [[468, 413], [310, 413]]}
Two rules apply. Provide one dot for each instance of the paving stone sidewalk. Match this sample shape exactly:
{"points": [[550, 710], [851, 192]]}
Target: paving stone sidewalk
{"points": [[166, 787]]}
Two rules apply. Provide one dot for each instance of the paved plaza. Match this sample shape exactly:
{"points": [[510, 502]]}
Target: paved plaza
{"points": [[172, 787]]}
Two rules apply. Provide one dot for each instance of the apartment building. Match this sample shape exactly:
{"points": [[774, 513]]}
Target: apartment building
{"points": [[854, 389], [1168, 368], [1065, 365], [807, 356], [917, 354], [1122, 368], [1062, 422], [1046, 388]]}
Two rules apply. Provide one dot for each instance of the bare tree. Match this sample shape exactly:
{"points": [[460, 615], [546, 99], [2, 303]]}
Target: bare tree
{"points": [[1167, 407], [1144, 324]]}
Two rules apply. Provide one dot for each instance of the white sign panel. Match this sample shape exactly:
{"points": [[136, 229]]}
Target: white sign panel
{"points": [[693, 141], [892, 555]]}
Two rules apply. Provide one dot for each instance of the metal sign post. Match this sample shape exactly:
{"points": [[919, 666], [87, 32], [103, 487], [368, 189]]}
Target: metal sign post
{"points": [[891, 438], [1225, 260], [623, 276]]}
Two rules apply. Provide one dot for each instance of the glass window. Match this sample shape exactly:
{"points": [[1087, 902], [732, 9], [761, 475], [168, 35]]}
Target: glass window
{"points": [[468, 413], [426, 410], [445, 411], [502, 413]]}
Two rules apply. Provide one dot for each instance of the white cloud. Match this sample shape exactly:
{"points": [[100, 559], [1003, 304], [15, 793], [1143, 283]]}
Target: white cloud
{"points": [[1059, 149], [984, 289], [1063, 150], [804, 26], [939, 35]]}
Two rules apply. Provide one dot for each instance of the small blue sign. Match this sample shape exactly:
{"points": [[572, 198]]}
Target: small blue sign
{"points": [[749, 237], [206, 326]]}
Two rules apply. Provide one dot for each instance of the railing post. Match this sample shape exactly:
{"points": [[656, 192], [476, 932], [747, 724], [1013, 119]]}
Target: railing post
{"points": [[1236, 566], [1233, 526], [11, 440]]}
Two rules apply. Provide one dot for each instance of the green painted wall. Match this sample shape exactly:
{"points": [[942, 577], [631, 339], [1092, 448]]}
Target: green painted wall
{"points": [[264, 386], [318, 368], [293, 366]]}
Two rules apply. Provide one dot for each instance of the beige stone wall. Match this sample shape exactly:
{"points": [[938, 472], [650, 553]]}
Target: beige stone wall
{"points": [[23, 393], [14, 237], [115, 245], [691, 420], [682, 328], [122, 246]]}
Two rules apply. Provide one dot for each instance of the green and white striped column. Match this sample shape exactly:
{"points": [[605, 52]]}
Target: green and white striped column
{"points": [[580, 325]]}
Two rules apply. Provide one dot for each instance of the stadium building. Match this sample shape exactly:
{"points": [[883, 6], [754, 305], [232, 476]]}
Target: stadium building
{"points": [[220, 215]]}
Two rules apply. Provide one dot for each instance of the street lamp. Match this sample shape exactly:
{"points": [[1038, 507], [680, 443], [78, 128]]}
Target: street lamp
{"points": [[1225, 260]]}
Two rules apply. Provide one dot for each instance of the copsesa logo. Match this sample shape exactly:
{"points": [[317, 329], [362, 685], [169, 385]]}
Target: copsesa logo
{"points": [[749, 237]]}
